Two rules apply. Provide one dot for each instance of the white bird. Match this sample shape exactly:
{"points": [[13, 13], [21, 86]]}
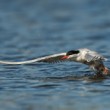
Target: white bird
{"points": [[91, 58]]}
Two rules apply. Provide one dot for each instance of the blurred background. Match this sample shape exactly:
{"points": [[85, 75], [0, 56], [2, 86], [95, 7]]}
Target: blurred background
{"points": [[33, 28], [35, 25]]}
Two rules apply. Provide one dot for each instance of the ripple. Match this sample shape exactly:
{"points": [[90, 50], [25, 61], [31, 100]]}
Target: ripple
{"points": [[34, 28], [46, 86]]}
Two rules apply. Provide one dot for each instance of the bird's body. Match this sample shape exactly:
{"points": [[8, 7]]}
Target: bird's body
{"points": [[91, 58]]}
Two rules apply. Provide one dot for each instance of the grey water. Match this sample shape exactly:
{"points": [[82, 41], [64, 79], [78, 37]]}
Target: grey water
{"points": [[34, 28]]}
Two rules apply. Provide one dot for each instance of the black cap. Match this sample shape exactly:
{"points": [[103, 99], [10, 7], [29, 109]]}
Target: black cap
{"points": [[72, 52]]}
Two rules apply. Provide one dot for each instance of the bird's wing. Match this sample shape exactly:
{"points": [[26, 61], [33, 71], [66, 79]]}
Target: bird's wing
{"points": [[93, 56], [50, 59]]}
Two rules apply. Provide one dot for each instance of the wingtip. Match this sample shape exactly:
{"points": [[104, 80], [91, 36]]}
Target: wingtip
{"points": [[105, 59]]}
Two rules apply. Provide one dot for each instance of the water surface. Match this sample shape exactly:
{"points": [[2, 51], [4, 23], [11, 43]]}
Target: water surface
{"points": [[33, 28]]}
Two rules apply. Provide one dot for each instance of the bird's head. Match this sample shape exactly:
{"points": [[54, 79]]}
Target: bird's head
{"points": [[72, 54]]}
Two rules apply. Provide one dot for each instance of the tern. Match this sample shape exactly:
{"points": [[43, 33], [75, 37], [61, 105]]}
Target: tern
{"points": [[85, 56]]}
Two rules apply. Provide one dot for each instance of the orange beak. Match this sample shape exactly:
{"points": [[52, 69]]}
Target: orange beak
{"points": [[64, 57]]}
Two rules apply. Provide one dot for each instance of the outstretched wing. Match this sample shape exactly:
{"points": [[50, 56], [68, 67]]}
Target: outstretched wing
{"points": [[93, 56], [50, 59]]}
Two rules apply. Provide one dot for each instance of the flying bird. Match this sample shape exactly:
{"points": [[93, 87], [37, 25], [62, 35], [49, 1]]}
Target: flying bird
{"points": [[85, 56]]}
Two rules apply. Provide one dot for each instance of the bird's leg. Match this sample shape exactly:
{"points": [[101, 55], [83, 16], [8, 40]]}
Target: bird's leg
{"points": [[106, 71], [103, 70], [100, 69]]}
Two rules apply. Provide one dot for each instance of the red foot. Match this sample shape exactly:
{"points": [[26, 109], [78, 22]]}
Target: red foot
{"points": [[106, 71]]}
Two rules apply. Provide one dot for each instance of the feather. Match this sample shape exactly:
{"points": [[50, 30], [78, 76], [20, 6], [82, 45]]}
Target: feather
{"points": [[48, 59], [93, 56]]}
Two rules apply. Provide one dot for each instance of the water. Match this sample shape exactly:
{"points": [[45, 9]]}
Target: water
{"points": [[33, 28]]}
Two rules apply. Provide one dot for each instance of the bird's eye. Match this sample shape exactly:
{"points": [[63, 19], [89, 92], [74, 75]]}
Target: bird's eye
{"points": [[72, 52]]}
